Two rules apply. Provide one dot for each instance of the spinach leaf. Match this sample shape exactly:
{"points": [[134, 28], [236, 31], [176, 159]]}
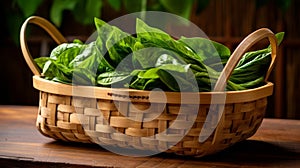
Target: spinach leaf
{"points": [[168, 76], [152, 59], [104, 65], [66, 52], [147, 84], [206, 48], [113, 77], [154, 37], [146, 80], [252, 68], [72, 63], [57, 65], [58, 71], [117, 43], [212, 53], [41, 61], [177, 77], [83, 76], [85, 65]]}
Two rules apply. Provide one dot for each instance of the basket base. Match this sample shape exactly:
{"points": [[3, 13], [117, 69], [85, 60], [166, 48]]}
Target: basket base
{"points": [[98, 121]]}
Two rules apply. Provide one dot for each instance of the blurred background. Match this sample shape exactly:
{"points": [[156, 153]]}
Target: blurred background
{"points": [[225, 21]]}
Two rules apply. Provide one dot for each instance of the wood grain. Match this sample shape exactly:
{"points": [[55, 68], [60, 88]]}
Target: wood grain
{"points": [[276, 144]]}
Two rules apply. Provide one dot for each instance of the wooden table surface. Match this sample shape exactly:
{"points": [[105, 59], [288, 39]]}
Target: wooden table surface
{"points": [[276, 144]]}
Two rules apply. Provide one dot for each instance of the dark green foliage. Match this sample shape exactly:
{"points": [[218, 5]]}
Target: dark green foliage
{"points": [[151, 59]]}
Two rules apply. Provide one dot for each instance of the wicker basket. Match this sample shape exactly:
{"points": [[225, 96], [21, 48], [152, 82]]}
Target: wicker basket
{"points": [[104, 117]]}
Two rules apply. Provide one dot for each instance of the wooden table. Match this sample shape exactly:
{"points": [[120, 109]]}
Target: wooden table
{"points": [[276, 144]]}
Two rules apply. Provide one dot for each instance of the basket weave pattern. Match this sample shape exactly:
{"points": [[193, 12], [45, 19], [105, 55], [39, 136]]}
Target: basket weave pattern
{"points": [[92, 120], [114, 119]]}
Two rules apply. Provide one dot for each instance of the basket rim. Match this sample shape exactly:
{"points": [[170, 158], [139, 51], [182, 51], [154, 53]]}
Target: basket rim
{"points": [[133, 95]]}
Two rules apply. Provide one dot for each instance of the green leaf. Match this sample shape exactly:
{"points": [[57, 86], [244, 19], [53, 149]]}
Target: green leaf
{"points": [[212, 53], [153, 37], [179, 7], [113, 77], [86, 10], [248, 56], [55, 70], [115, 4], [72, 63], [83, 76], [154, 83], [66, 52], [133, 5], [147, 33], [279, 37], [167, 59], [58, 7], [176, 68], [29, 7], [153, 57], [88, 58], [253, 69], [152, 60], [177, 81], [118, 43], [146, 83], [149, 74], [104, 65], [86, 64], [41, 61]]}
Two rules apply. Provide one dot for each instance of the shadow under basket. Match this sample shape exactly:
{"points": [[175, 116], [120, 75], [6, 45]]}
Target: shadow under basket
{"points": [[191, 123]]}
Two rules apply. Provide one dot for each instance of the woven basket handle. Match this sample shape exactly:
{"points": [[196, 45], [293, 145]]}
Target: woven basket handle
{"points": [[248, 42], [49, 28]]}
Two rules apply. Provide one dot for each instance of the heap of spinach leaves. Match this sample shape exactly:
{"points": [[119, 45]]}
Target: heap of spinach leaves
{"points": [[151, 59]]}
